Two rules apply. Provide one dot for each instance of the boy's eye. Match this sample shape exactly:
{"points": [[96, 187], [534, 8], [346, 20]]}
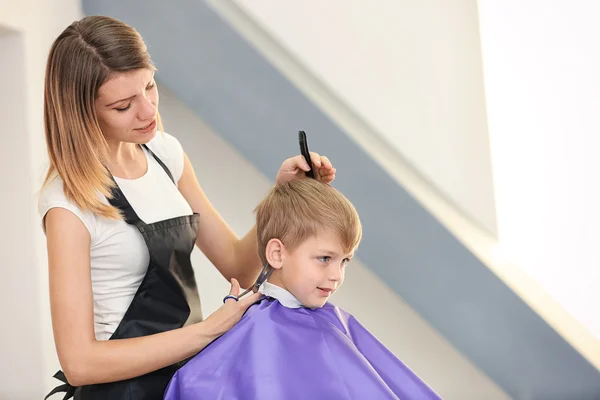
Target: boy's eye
{"points": [[324, 259], [345, 261]]}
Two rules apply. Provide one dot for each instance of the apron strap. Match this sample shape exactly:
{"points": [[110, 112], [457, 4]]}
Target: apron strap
{"points": [[67, 388], [159, 161], [120, 201]]}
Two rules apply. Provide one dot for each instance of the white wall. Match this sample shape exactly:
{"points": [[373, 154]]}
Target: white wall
{"points": [[412, 70], [541, 66], [235, 187], [20, 347], [26, 346]]}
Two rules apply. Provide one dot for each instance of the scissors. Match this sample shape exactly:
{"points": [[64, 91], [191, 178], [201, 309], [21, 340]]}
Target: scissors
{"points": [[264, 275], [267, 270]]}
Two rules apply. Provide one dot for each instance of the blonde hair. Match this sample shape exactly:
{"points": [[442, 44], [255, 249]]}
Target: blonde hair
{"points": [[294, 211], [81, 60]]}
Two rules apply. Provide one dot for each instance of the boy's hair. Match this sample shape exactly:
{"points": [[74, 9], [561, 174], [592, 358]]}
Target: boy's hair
{"points": [[294, 211]]}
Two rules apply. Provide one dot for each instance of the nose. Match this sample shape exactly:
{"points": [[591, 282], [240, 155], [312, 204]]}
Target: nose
{"points": [[147, 110], [336, 273]]}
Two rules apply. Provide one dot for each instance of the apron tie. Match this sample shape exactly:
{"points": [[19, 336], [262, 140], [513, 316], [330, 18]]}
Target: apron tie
{"points": [[67, 388]]}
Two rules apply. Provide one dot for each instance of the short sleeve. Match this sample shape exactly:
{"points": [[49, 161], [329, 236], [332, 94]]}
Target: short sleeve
{"points": [[52, 196], [168, 149]]}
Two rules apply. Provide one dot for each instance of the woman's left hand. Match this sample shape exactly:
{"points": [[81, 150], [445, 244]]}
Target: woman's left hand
{"points": [[295, 167]]}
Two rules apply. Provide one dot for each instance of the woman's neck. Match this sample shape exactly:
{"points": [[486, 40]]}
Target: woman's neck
{"points": [[126, 160]]}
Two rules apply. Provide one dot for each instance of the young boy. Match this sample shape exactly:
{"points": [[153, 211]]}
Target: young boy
{"points": [[293, 344]]}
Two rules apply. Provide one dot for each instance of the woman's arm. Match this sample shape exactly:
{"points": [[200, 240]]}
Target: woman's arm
{"points": [[86, 360], [233, 257]]}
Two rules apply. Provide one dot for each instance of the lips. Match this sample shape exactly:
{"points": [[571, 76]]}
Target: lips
{"points": [[148, 127], [326, 291]]}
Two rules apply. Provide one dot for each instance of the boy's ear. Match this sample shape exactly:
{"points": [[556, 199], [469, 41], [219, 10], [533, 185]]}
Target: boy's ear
{"points": [[274, 253]]}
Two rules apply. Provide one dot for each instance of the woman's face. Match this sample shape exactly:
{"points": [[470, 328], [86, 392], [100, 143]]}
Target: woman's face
{"points": [[127, 107]]}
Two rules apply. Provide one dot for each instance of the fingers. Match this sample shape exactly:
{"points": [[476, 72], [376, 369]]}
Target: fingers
{"points": [[329, 174], [235, 287], [316, 159], [293, 164], [300, 162], [248, 301], [324, 170], [326, 163], [327, 178], [234, 292], [234, 295], [290, 168]]}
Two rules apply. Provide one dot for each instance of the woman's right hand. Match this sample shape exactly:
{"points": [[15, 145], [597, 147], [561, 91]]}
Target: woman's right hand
{"points": [[231, 312]]}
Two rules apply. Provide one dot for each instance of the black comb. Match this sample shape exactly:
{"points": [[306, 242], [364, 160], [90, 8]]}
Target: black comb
{"points": [[304, 151]]}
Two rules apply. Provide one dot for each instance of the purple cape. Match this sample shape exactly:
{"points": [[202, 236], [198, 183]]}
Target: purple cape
{"points": [[280, 353]]}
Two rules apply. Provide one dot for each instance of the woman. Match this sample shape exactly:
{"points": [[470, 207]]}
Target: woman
{"points": [[122, 210]]}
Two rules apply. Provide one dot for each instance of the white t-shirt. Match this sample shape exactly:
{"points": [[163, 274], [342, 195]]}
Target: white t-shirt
{"points": [[118, 254]]}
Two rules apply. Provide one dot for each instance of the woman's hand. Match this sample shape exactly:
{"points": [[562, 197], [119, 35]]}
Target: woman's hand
{"points": [[231, 312], [295, 167]]}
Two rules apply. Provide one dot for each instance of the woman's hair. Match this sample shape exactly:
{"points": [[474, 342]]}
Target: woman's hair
{"points": [[295, 211], [81, 59]]}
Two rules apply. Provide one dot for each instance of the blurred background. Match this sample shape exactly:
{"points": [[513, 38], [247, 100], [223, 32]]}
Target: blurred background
{"points": [[463, 131]]}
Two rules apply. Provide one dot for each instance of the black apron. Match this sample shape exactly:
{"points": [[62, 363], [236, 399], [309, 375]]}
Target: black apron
{"points": [[166, 299]]}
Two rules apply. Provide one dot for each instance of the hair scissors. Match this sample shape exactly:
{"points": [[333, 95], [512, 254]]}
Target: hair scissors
{"points": [[264, 275]]}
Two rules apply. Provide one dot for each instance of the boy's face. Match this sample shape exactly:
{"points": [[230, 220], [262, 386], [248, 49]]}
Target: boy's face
{"points": [[315, 269]]}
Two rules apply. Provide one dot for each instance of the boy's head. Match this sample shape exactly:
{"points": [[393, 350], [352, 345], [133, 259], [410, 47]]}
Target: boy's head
{"points": [[308, 231]]}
